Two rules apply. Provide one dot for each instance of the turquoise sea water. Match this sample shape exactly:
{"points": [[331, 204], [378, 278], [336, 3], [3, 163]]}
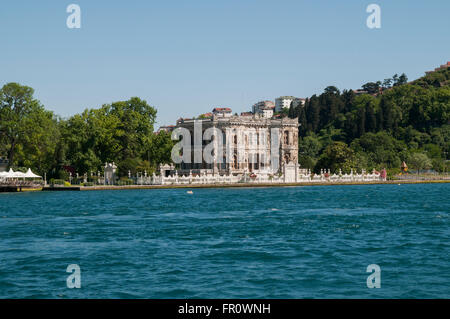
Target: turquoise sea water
{"points": [[291, 242]]}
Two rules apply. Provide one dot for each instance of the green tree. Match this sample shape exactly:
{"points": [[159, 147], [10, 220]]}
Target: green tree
{"points": [[402, 79], [308, 151], [336, 156], [16, 105], [120, 132], [28, 132], [136, 121], [372, 87], [302, 121], [159, 149], [387, 83], [381, 150], [420, 161], [37, 146]]}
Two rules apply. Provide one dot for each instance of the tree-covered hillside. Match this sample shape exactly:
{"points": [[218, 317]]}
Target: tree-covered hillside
{"points": [[393, 121], [402, 122]]}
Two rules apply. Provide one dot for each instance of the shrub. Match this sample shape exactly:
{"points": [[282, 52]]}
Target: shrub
{"points": [[392, 173], [62, 174], [125, 181], [54, 181], [77, 181]]}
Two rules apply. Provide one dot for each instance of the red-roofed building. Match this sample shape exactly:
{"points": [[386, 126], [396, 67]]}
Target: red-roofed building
{"points": [[167, 128], [442, 67], [205, 115], [222, 111]]}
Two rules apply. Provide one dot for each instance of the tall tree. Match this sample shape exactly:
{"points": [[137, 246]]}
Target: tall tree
{"points": [[336, 156], [372, 87], [16, 107], [371, 120], [302, 121], [403, 79]]}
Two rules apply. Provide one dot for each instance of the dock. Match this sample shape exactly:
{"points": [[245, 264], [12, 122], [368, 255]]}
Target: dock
{"points": [[19, 188]]}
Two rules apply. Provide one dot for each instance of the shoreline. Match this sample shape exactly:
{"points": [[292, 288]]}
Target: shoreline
{"points": [[245, 185]]}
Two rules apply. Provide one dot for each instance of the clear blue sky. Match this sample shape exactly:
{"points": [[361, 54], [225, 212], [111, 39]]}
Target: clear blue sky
{"points": [[186, 57]]}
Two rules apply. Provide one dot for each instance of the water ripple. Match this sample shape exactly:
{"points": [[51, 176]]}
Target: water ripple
{"points": [[296, 242]]}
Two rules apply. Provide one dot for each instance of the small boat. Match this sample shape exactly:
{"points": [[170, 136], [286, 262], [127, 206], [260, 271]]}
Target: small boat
{"points": [[190, 192]]}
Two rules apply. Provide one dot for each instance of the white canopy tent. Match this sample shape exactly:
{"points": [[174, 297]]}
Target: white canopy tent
{"points": [[12, 174], [30, 174], [18, 175], [7, 175]]}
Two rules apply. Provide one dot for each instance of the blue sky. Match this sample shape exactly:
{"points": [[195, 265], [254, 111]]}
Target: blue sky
{"points": [[186, 57]]}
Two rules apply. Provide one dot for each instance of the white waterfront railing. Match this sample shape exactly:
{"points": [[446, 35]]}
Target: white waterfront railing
{"points": [[302, 177]]}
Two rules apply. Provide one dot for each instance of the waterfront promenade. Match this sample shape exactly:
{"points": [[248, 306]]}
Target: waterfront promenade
{"points": [[238, 185]]}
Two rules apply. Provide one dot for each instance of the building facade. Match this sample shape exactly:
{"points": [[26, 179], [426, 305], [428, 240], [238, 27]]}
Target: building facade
{"points": [[284, 102], [246, 144], [257, 107], [222, 112]]}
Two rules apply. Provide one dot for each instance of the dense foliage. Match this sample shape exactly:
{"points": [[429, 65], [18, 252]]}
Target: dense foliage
{"points": [[380, 128], [121, 132], [383, 125]]}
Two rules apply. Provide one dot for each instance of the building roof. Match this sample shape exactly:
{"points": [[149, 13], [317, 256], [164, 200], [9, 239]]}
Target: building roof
{"points": [[222, 109], [167, 128], [442, 67], [360, 91], [286, 97]]}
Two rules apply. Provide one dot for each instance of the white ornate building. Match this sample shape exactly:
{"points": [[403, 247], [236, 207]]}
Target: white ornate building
{"points": [[251, 148], [253, 144]]}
